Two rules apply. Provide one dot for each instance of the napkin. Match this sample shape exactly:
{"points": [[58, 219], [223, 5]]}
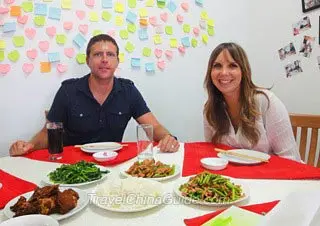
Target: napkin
{"points": [[12, 187]]}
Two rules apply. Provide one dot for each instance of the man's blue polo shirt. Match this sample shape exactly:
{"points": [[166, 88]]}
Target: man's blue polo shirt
{"points": [[86, 121]]}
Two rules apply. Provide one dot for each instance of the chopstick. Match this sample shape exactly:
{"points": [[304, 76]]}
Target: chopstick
{"points": [[94, 146], [241, 155]]}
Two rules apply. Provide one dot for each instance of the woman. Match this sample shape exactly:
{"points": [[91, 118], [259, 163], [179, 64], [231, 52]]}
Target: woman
{"points": [[240, 114]]}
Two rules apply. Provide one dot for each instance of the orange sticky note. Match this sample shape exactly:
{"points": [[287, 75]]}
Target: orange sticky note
{"points": [[143, 22], [45, 67], [15, 10]]}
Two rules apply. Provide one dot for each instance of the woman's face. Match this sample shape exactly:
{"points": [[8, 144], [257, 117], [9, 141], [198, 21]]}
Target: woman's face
{"points": [[226, 74]]}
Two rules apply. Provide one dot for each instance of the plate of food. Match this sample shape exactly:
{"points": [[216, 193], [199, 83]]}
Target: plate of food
{"points": [[128, 195], [244, 156], [59, 203], [78, 174], [211, 190], [100, 146], [151, 169]]}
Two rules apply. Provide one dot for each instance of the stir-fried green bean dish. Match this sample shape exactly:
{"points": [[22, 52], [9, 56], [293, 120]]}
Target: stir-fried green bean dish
{"points": [[80, 172], [212, 188]]}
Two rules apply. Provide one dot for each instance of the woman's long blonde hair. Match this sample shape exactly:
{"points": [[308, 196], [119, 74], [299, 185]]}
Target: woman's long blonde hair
{"points": [[215, 109]]}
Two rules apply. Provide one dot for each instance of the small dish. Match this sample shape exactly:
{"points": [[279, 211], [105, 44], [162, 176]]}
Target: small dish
{"points": [[33, 219], [214, 163], [103, 156]]}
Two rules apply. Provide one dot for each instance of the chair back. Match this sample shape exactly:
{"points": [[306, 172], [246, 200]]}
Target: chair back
{"points": [[305, 122]]}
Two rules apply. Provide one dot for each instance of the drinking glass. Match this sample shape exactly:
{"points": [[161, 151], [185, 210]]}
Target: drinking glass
{"points": [[55, 140], [144, 141]]}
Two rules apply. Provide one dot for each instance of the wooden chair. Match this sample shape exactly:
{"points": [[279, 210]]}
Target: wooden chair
{"points": [[306, 122]]}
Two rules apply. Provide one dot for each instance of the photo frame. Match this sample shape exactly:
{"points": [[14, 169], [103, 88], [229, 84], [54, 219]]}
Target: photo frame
{"points": [[308, 5]]}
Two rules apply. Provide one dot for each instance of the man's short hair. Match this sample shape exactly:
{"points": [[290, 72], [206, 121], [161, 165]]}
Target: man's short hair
{"points": [[99, 38]]}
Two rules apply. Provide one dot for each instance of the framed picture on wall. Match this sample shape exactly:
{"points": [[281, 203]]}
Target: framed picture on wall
{"points": [[308, 5]]}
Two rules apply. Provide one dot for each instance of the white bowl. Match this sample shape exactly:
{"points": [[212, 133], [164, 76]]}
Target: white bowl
{"points": [[103, 156], [33, 219], [214, 163]]}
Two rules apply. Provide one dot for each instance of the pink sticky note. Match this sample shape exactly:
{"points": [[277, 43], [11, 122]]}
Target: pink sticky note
{"points": [[196, 31], [89, 3], [51, 31], [180, 18], [158, 53], [185, 6], [22, 19], [153, 20], [69, 52], [164, 16], [169, 54], [27, 68], [30, 32], [4, 68], [161, 64], [32, 54], [68, 25], [62, 68], [4, 10], [1, 22], [83, 28], [44, 46], [9, 1], [181, 49], [81, 14]]}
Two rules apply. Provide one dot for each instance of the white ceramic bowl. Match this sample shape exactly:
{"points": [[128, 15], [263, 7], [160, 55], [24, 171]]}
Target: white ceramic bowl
{"points": [[214, 163], [33, 219], [103, 156]]}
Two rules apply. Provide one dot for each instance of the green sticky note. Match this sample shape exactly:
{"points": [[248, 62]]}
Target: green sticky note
{"points": [[169, 30], [124, 34], [157, 39], [93, 17], [210, 31], [27, 6], [132, 3], [210, 22], [2, 44], [161, 4], [1, 55], [129, 47], [106, 16], [194, 43], [131, 27], [186, 28], [204, 15], [150, 3], [96, 32], [39, 20], [173, 43], [61, 39], [121, 57], [205, 38], [14, 55], [146, 51], [18, 41], [81, 58]]}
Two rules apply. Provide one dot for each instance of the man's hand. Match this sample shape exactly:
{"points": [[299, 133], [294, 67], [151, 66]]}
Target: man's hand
{"points": [[168, 144], [20, 148]]}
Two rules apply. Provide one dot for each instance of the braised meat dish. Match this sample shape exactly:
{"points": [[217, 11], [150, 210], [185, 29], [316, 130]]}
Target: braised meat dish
{"points": [[149, 168]]}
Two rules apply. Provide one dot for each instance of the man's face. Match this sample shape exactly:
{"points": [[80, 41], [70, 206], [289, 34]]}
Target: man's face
{"points": [[103, 60]]}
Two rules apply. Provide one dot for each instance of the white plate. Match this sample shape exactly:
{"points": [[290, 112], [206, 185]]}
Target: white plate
{"points": [[31, 220], [176, 172], [104, 196], [82, 202], [184, 180], [101, 146], [244, 161], [46, 179]]}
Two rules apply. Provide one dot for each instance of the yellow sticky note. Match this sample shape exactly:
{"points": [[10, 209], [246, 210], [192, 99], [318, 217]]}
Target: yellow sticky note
{"points": [[210, 22], [81, 58], [143, 22], [173, 43], [143, 12], [1, 55], [18, 41], [186, 28], [157, 39], [119, 7], [93, 17], [205, 38], [96, 32], [131, 27], [168, 30], [210, 31], [47, 0], [204, 15], [45, 67], [119, 21], [150, 3], [132, 3], [39, 20], [129, 47], [194, 42], [124, 34], [61, 39], [106, 16], [15, 10], [2, 44], [146, 51], [27, 6], [66, 4], [121, 57]]}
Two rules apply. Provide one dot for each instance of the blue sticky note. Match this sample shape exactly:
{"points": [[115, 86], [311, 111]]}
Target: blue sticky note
{"points": [[8, 27], [40, 9], [54, 13], [150, 67], [107, 4], [131, 17], [135, 62], [143, 34], [199, 2], [79, 40], [185, 41], [172, 6], [53, 57]]}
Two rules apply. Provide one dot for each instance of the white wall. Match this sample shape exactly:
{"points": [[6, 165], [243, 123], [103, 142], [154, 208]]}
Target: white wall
{"points": [[176, 95]]}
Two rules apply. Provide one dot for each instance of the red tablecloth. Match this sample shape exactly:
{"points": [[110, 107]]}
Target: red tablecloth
{"points": [[257, 208], [73, 155], [12, 186], [276, 168]]}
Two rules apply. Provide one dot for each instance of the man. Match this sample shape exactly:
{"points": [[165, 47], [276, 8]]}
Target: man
{"points": [[98, 106]]}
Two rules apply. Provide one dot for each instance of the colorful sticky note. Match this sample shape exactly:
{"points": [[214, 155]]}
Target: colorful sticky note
{"points": [[40, 9], [121, 57], [4, 10], [18, 41], [119, 7], [43, 45], [199, 2], [132, 3], [169, 54], [172, 6], [14, 55], [4, 68], [124, 34], [186, 28], [173, 43], [129, 47], [27, 68], [51, 31], [161, 4], [81, 14], [1, 55], [67, 25], [54, 13], [79, 40], [96, 32], [22, 19], [15, 10], [39, 20], [157, 39], [194, 43], [204, 15], [32, 54], [131, 17], [135, 62], [119, 20], [143, 12], [93, 17], [66, 4], [150, 3], [61, 39], [143, 22], [168, 30], [210, 31], [205, 38], [185, 41], [27, 6], [143, 34], [107, 4], [161, 64], [30, 32], [210, 22], [2, 44], [153, 20], [146, 51], [81, 58], [54, 57], [9, 27], [131, 27], [106, 16], [61, 68], [45, 67], [89, 3], [150, 67]]}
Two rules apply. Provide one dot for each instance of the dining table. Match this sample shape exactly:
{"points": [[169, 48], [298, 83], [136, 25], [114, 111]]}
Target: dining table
{"points": [[173, 212]]}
